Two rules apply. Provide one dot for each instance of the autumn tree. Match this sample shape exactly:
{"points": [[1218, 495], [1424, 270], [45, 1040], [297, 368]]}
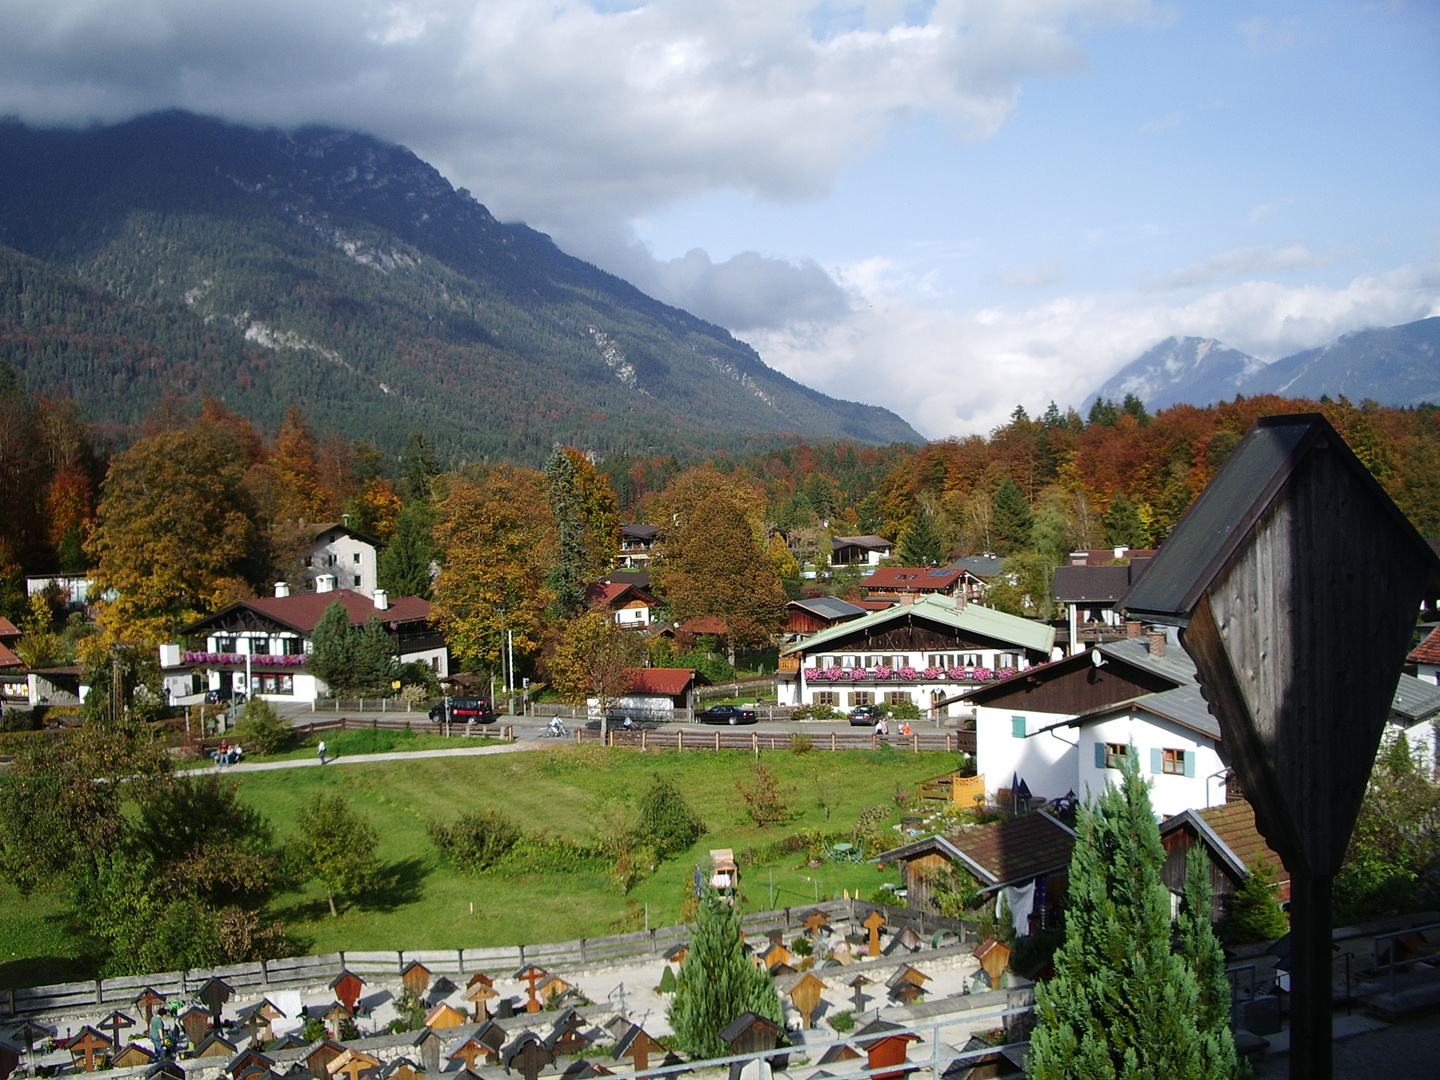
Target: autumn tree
{"points": [[174, 536], [496, 538], [712, 563], [595, 659], [294, 469], [336, 846]]}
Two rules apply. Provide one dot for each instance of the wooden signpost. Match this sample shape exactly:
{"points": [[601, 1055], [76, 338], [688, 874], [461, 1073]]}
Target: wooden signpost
{"points": [[1296, 582], [873, 922]]}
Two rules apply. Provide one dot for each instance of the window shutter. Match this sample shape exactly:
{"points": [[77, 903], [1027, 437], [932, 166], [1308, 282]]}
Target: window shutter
{"points": [[1190, 763], [1017, 726], [1157, 760], [1099, 755]]}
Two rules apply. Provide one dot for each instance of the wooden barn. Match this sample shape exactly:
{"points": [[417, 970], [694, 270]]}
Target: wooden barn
{"points": [[1232, 844], [810, 616]]}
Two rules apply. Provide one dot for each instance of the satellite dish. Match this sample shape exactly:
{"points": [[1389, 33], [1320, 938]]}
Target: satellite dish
{"points": [[1097, 658]]}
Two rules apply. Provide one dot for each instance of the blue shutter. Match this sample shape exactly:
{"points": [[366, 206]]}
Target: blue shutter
{"points": [[1099, 755], [1017, 726], [1157, 760], [1190, 763]]}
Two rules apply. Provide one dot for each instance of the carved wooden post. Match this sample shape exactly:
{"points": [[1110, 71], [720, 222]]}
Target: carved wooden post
{"points": [[1297, 583]]}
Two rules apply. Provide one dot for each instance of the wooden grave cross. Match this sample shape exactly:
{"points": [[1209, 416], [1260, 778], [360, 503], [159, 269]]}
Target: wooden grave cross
{"points": [[873, 922], [256, 1023], [480, 995], [469, 1051], [148, 1000], [215, 993], [351, 1064], [416, 978], [114, 1023], [529, 1056], [88, 1045], [195, 1020], [858, 984], [334, 1015], [638, 1046], [815, 921], [806, 996], [1296, 581], [347, 987], [567, 1038], [532, 976]]}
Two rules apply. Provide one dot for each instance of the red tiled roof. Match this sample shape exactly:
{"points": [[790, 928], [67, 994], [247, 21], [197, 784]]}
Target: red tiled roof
{"points": [[912, 578], [1234, 823], [1017, 848], [672, 682], [8, 628], [1428, 651], [608, 592], [9, 659], [303, 611]]}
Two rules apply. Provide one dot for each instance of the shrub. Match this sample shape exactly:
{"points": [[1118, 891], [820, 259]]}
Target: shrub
{"points": [[800, 743], [887, 895], [1254, 913], [667, 823], [766, 801], [801, 946], [315, 1029], [474, 842], [843, 1021], [903, 710], [261, 730]]}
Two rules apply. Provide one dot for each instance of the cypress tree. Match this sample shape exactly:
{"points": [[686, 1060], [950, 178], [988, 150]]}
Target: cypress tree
{"points": [[372, 658], [1123, 1002], [1011, 522], [567, 577], [1200, 949], [418, 465], [330, 659], [718, 982]]}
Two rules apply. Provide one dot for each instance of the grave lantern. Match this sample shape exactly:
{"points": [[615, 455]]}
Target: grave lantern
{"points": [[1296, 583]]}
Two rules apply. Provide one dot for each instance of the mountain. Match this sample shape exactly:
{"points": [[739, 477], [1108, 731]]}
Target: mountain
{"points": [[1197, 371], [1396, 365], [174, 254]]}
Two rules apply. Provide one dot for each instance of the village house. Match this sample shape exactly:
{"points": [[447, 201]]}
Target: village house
{"points": [[629, 605], [860, 550], [656, 694], [268, 639], [1088, 592], [336, 550], [1231, 844], [637, 546], [902, 584], [924, 652], [809, 616], [13, 682]]}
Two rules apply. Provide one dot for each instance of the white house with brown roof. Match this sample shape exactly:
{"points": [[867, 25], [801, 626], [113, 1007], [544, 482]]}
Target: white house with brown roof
{"points": [[333, 548], [267, 641], [860, 550], [628, 604]]}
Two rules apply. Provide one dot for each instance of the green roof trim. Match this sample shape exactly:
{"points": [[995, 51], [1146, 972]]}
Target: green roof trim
{"points": [[972, 619]]}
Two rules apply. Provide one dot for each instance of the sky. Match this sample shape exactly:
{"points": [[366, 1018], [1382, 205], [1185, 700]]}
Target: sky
{"points": [[947, 208]]}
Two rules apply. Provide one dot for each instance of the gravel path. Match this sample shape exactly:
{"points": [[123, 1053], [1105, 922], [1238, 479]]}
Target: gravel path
{"points": [[364, 759]]}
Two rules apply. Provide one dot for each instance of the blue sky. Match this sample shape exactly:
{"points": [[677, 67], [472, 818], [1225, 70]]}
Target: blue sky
{"points": [[943, 208]]}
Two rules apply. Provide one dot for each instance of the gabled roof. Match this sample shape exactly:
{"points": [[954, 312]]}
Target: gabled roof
{"points": [[1415, 700], [668, 681], [8, 628], [1001, 852], [611, 592], [912, 578], [1229, 831], [1427, 652], [705, 624], [828, 607], [636, 530], [301, 612], [1183, 706], [984, 567], [9, 659], [1175, 667], [869, 543], [970, 619], [1096, 584], [312, 533]]}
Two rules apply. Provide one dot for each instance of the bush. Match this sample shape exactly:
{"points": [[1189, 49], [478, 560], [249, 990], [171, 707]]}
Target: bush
{"points": [[800, 743], [816, 712], [843, 1021], [261, 730], [1254, 913], [887, 895], [714, 667], [474, 842], [767, 801], [902, 710], [667, 823]]}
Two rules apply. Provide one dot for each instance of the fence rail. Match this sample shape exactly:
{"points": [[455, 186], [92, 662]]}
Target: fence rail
{"points": [[304, 970], [729, 739]]}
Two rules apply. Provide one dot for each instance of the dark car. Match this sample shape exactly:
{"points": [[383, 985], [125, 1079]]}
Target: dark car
{"points": [[864, 716], [727, 714], [465, 709]]}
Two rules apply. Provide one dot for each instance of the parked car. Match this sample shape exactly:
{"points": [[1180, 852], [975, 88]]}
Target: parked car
{"points": [[465, 709], [727, 714], [864, 716]]}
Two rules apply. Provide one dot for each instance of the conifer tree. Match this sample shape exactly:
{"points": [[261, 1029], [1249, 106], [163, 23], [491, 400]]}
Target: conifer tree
{"points": [[567, 576], [920, 542], [1011, 522], [330, 658], [1122, 1003], [718, 982], [418, 466], [1255, 914], [372, 658], [404, 565], [1200, 949], [1123, 527]]}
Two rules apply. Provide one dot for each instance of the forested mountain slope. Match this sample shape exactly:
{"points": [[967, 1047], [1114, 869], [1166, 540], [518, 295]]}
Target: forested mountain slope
{"points": [[331, 270]]}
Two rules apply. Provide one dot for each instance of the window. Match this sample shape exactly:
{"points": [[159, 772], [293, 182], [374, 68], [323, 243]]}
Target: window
{"points": [[862, 697], [847, 661], [1018, 727], [224, 644], [357, 581], [309, 560], [1173, 762], [272, 684], [1108, 755], [970, 659], [827, 697], [357, 556], [897, 697], [260, 646]]}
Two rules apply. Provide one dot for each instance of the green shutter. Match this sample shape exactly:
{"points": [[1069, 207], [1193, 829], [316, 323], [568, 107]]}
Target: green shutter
{"points": [[1099, 755], [1017, 726], [1190, 763], [1157, 760]]}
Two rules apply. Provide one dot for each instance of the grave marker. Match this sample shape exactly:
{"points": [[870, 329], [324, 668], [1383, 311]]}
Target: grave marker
{"points": [[528, 1055], [88, 1047], [873, 922], [805, 995], [532, 976], [215, 993], [858, 984], [347, 986]]}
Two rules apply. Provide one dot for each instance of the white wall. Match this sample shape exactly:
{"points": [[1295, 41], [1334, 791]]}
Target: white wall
{"points": [[438, 660], [1046, 761], [351, 558], [1170, 794]]}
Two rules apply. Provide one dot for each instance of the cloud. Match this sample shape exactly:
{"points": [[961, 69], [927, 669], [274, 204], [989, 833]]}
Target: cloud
{"points": [[1238, 262], [1262, 211], [557, 111], [957, 373], [1038, 277]]}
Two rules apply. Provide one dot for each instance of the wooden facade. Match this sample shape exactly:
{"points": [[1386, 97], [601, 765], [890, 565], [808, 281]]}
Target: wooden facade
{"points": [[1072, 687], [919, 635]]}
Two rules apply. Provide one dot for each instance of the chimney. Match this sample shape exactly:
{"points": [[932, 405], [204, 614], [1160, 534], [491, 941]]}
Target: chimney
{"points": [[1132, 629], [382, 600], [1157, 641], [1120, 552], [326, 583], [282, 588]]}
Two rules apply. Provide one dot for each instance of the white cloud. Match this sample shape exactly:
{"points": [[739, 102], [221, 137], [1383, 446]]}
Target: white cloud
{"points": [[1238, 262], [955, 373], [1260, 212], [557, 112]]}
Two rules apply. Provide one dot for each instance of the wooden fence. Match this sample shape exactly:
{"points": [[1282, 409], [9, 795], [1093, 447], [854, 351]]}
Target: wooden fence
{"points": [[727, 738], [258, 977]]}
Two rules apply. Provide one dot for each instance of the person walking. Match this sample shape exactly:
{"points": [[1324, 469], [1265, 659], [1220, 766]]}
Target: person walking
{"points": [[322, 751]]}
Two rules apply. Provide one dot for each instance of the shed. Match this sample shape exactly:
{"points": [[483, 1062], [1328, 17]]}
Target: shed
{"points": [[1232, 844]]}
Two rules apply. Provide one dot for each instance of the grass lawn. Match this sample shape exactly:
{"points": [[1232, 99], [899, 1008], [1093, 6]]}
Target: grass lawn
{"points": [[559, 789], [375, 741]]}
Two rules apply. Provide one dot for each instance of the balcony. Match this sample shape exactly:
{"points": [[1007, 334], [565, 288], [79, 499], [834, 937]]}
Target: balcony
{"points": [[817, 676], [257, 660]]}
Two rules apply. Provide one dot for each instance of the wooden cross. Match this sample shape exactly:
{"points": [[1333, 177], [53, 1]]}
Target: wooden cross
{"points": [[640, 1049], [416, 978], [532, 976], [89, 1043], [351, 1064], [114, 1023], [470, 1051], [814, 921], [336, 1014], [256, 1023], [873, 922], [149, 1000], [480, 995], [806, 996], [195, 1020], [215, 993], [347, 987], [858, 984], [530, 1057]]}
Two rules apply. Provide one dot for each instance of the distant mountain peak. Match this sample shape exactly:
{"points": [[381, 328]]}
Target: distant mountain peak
{"points": [[1194, 370]]}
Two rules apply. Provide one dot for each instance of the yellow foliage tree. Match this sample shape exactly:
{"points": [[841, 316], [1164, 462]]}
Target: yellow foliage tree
{"points": [[595, 659], [496, 537]]}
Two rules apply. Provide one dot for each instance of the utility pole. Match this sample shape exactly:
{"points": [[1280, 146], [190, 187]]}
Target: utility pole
{"points": [[510, 679], [117, 687]]}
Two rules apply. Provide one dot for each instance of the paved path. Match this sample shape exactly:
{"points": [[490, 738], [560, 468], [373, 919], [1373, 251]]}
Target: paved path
{"points": [[364, 759]]}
